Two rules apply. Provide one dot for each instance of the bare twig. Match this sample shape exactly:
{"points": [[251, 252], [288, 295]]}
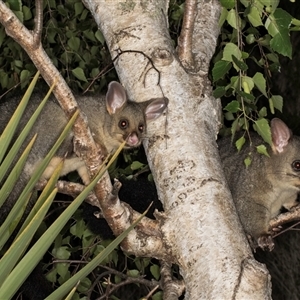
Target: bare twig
{"points": [[128, 280], [185, 40], [38, 22]]}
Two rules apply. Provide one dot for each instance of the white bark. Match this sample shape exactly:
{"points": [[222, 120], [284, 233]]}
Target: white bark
{"points": [[200, 227]]}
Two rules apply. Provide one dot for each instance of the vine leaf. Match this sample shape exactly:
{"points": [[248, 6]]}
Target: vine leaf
{"points": [[278, 25], [220, 69], [262, 127], [233, 106], [260, 83], [277, 102], [254, 16], [240, 142], [262, 149]]}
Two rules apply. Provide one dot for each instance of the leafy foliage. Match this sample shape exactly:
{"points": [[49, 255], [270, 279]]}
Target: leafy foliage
{"points": [[72, 40], [254, 35]]}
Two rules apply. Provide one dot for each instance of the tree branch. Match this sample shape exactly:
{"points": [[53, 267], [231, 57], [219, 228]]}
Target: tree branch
{"points": [[185, 40], [290, 216], [84, 145], [38, 22]]}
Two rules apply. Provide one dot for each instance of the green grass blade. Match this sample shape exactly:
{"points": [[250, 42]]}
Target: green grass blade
{"points": [[15, 214], [37, 175], [72, 292], [33, 256], [13, 254], [8, 185], [16, 146], [15, 172], [19, 246], [8, 132], [43, 196]]}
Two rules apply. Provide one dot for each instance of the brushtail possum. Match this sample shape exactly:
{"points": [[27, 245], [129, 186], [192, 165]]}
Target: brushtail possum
{"points": [[112, 120], [268, 184]]}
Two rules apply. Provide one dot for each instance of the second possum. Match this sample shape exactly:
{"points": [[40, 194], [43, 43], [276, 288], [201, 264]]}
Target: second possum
{"points": [[268, 184]]}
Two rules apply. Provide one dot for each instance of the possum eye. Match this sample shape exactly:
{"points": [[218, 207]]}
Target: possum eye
{"points": [[123, 124], [141, 128], [296, 165]]}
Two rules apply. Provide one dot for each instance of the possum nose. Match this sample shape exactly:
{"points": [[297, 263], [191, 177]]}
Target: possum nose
{"points": [[133, 139]]}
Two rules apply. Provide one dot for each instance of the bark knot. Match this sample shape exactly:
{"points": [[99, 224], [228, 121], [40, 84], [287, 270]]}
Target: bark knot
{"points": [[162, 57]]}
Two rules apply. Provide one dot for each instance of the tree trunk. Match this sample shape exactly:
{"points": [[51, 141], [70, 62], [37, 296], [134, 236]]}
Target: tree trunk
{"points": [[200, 228]]}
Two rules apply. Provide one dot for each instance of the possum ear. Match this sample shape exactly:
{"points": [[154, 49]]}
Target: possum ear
{"points": [[115, 97], [281, 135], [155, 107]]}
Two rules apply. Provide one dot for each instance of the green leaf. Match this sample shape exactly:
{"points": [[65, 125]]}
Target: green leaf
{"points": [[84, 285], [254, 16], [155, 271], [271, 105], [250, 83], [79, 73], [51, 276], [219, 92], [262, 150], [220, 69], [74, 43], [234, 127], [62, 269], [78, 6], [99, 36], [246, 3], [25, 77], [27, 13], [239, 143], [133, 273], [78, 228], [229, 50], [233, 106], [246, 96], [136, 165], [282, 44], [250, 39], [234, 83], [278, 25], [277, 22], [232, 19], [247, 161], [262, 127], [229, 116], [295, 22], [263, 112], [239, 63], [260, 83], [223, 17], [15, 5], [228, 3], [277, 102], [271, 5]]}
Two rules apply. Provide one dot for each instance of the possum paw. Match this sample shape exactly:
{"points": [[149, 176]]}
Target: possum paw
{"points": [[265, 242]]}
